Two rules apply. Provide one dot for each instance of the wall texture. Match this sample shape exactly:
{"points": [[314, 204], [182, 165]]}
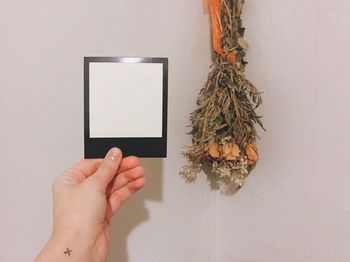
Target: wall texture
{"points": [[294, 206]]}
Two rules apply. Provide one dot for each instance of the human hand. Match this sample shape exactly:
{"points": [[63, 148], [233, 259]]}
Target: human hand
{"points": [[85, 198]]}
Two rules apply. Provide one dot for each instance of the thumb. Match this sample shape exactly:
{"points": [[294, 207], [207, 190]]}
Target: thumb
{"points": [[108, 168]]}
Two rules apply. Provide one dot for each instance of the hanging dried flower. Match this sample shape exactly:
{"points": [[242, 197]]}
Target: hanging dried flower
{"points": [[223, 125]]}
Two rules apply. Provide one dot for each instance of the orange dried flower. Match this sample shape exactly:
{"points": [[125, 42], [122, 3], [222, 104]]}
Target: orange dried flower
{"points": [[226, 149], [234, 152], [252, 154], [214, 150]]}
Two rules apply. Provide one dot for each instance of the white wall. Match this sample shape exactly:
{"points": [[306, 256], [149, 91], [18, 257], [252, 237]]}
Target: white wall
{"points": [[294, 206]]}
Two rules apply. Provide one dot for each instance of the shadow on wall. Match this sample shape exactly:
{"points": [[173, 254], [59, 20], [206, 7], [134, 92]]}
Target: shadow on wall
{"points": [[134, 211]]}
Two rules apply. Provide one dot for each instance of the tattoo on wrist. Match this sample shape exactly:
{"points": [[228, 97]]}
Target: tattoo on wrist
{"points": [[68, 251]]}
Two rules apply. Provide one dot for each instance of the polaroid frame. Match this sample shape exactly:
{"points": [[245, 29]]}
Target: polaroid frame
{"points": [[97, 147]]}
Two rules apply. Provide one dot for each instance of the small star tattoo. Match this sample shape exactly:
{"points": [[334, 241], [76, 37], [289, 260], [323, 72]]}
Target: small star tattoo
{"points": [[68, 252]]}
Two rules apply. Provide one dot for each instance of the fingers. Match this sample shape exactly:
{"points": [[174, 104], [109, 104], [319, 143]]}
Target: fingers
{"points": [[123, 178], [119, 196], [126, 164], [108, 168], [129, 163]]}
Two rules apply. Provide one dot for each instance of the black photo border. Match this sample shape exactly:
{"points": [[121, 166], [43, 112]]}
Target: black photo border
{"points": [[136, 146]]}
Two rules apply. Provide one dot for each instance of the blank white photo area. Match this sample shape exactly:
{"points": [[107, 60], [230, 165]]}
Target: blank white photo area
{"points": [[126, 99]]}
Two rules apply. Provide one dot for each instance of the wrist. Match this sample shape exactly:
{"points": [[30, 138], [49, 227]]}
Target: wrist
{"points": [[69, 245]]}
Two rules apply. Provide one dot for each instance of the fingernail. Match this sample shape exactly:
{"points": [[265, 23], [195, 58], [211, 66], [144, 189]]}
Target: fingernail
{"points": [[114, 154]]}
